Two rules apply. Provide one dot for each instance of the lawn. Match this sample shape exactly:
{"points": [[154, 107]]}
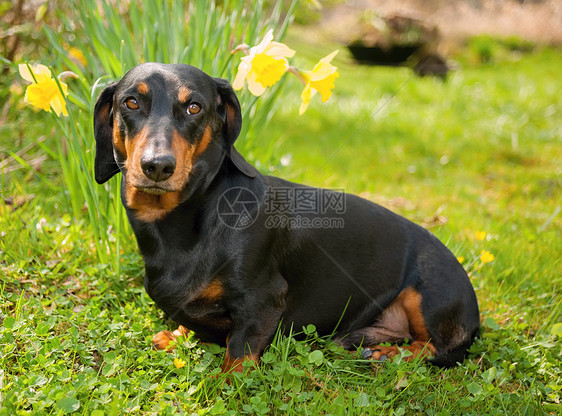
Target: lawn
{"points": [[477, 159]]}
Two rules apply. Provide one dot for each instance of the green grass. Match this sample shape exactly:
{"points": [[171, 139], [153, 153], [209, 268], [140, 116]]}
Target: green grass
{"points": [[480, 152]]}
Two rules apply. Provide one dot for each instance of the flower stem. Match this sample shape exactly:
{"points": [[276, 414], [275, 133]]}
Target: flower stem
{"points": [[295, 71]]}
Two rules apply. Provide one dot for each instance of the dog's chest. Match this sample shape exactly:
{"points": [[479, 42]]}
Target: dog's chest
{"points": [[182, 273], [208, 308], [200, 306]]}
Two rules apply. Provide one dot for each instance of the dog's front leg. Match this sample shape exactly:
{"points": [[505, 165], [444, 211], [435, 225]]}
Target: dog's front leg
{"points": [[255, 320]]}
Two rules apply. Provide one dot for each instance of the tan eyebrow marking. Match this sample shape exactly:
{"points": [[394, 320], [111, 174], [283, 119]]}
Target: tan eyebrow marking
{"points": [[183, 94], [142, 88]]}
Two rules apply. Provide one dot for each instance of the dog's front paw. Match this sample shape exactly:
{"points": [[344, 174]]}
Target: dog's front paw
{"points": [[161, 341]]}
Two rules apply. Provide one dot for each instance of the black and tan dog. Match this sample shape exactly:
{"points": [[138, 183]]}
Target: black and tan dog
{"points": [[374, 278]]}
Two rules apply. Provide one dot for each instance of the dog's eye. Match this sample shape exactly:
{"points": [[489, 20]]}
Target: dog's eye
{"points": [[131, 104], [193, 108]]}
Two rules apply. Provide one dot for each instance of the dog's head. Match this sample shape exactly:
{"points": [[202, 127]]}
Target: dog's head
{"points": [[167, 128]]}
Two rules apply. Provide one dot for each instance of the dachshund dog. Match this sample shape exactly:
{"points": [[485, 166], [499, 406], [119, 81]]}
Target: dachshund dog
{"points": [[219, 260]]}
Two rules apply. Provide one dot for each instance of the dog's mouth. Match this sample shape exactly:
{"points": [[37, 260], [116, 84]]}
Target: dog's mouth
{"points": [[145, 186], [153, 190]]}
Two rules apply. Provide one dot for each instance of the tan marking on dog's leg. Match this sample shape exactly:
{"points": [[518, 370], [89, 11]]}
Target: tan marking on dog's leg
{"points": [[408, 304], [411, 302], [213, 292]]}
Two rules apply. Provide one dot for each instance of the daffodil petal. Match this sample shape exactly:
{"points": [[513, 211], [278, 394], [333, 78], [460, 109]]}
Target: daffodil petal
{"points": [[255, 87], [324, 68], [243, 71], [306, 96], [279, 50], [329, 57], [322, 74], [58, 104], [307, 93], [42, 73], [260, 48], [24, 73]]}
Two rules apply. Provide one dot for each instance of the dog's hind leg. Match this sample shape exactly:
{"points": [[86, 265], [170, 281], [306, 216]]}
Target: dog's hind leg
{"points": [[402, 320]]}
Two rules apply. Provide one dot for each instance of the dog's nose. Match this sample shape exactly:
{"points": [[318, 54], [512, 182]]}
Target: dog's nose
{"points": [[158, 167]]}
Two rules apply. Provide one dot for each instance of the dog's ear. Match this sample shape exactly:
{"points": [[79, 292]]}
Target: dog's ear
{"points": [[228, 108], [104, 166]]}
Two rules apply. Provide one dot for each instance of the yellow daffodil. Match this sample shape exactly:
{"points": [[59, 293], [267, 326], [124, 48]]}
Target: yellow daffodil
{"points": [[179, 363], [480, 235], [321, 79], [264, 65], [460, 259], [486, 256], [76, 55], [44, 92]]}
